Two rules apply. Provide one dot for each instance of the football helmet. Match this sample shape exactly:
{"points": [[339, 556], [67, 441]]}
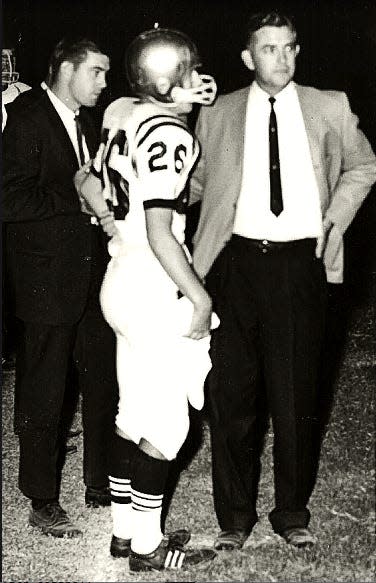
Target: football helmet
{"points": [[158, 64], [9, 74]]}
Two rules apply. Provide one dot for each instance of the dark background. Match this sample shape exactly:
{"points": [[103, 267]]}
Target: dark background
{"points": [[338, 51]]}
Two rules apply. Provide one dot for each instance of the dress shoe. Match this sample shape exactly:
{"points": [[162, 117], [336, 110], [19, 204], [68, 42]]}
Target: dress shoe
{"points": [[52, 519], [298, 537], [230, 540], [97, 497], [179, 537], [169, 556], [74, 433], [121, 547]]}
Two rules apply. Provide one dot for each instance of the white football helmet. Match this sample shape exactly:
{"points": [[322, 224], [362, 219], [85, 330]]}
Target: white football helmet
{"points": [[9, 74], [161, 65]]}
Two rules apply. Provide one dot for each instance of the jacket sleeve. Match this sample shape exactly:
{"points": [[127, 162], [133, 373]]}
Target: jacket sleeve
{"points": [[197, 182], [26, 197], [358, 171]]}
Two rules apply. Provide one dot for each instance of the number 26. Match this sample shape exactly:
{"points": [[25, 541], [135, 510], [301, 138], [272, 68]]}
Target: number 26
{"points": [[161, 150]]}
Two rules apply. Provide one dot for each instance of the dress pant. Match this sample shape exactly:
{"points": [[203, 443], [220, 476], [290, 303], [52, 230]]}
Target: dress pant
{"points": [[43, 362], [271, 300]]}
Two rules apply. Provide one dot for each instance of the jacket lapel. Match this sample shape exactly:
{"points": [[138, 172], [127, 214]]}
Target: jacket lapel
{"points": [[235, 137], [312, 124], [61, 137]]}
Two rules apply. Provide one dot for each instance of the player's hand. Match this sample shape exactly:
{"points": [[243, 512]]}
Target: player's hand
{"points": [[201, 320], [322, 241]]}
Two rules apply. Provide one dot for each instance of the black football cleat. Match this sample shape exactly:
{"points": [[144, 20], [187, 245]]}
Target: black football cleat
{"points": [[169, 556], [121, 547]]}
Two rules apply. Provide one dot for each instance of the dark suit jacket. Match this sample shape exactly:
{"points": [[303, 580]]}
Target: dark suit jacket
{"points": [[49, 240]]}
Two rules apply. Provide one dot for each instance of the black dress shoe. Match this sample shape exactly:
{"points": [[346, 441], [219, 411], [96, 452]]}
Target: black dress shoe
{"points": [[298, 537], [97, 497], [230, 540], [120, 547], [52, 519], [74, 433]]}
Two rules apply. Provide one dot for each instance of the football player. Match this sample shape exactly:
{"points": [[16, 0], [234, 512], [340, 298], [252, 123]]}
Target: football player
{"points": [[156, 304], [11, 86]]}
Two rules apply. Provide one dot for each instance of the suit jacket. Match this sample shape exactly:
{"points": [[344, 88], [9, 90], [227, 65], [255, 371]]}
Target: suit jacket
{"points": [[49, 240], [343, 161]]}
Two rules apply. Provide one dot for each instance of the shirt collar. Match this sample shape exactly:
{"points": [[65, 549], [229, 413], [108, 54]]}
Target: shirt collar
{"points": [[63, 110], [256, 92]]}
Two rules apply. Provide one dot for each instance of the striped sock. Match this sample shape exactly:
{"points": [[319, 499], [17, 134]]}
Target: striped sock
{"points": [[148, 486], [146, 517], [122, 456], [121, 507]]}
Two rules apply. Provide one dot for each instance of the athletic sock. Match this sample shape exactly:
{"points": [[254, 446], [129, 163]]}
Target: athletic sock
{"points": [[121, 462], [148, 485]]}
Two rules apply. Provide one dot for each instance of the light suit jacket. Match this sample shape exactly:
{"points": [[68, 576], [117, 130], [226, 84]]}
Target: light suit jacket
{"points": [[343, 161]]}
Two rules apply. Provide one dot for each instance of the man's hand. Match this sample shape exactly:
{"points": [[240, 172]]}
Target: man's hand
{"points": [[81, 175], [322, 241], [78, 179], [108, 224]]}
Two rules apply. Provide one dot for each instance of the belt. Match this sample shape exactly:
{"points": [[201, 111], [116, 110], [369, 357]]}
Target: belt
{"points": [[265, 246]]}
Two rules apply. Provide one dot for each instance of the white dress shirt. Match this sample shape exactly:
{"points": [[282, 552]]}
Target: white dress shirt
{"points": [[67, 116], [301, 215]]}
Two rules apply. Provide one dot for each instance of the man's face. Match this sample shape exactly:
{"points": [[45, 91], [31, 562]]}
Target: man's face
{"points": [[272, 54], [87, 82]]}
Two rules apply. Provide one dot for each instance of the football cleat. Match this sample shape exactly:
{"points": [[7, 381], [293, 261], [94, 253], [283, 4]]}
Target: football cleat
{"points": [[169, 556]]}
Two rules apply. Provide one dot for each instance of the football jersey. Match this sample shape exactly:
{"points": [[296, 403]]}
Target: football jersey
{"points": [[144, 160]]}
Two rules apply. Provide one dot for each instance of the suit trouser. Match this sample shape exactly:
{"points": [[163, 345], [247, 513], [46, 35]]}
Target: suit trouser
{"points": [[271, 302], [43, 360]]}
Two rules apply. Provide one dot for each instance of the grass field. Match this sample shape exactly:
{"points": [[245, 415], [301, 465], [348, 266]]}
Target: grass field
{"points": [[342, 505]]}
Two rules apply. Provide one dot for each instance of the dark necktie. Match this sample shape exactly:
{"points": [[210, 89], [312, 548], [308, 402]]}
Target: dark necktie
{"points": [[80, 139], [276, 202]]}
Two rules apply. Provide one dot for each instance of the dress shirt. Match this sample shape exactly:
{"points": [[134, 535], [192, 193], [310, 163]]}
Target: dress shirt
{"points": [[301, 216], [67, 116]]}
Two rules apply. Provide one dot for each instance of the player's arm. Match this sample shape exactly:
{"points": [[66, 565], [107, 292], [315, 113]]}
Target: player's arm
{"points": [[174, 260]]}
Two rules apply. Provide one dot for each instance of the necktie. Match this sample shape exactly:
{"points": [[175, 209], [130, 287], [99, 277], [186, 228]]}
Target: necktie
{"points": [[276, 202], [80, 139]]}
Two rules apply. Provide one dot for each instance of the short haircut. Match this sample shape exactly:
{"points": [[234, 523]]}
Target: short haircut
{"points": [[75, 51], [261, 19]]}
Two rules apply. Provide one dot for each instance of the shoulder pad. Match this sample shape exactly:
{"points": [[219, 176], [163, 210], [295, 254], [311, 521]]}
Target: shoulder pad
{"points": [[118, 110]]}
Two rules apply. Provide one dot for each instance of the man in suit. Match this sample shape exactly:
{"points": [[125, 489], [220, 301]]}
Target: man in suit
{"points": [[283, 171], [57, 258]]}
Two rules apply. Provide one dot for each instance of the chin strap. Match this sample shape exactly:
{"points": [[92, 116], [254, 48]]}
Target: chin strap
{"points": [[203, 94]]}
